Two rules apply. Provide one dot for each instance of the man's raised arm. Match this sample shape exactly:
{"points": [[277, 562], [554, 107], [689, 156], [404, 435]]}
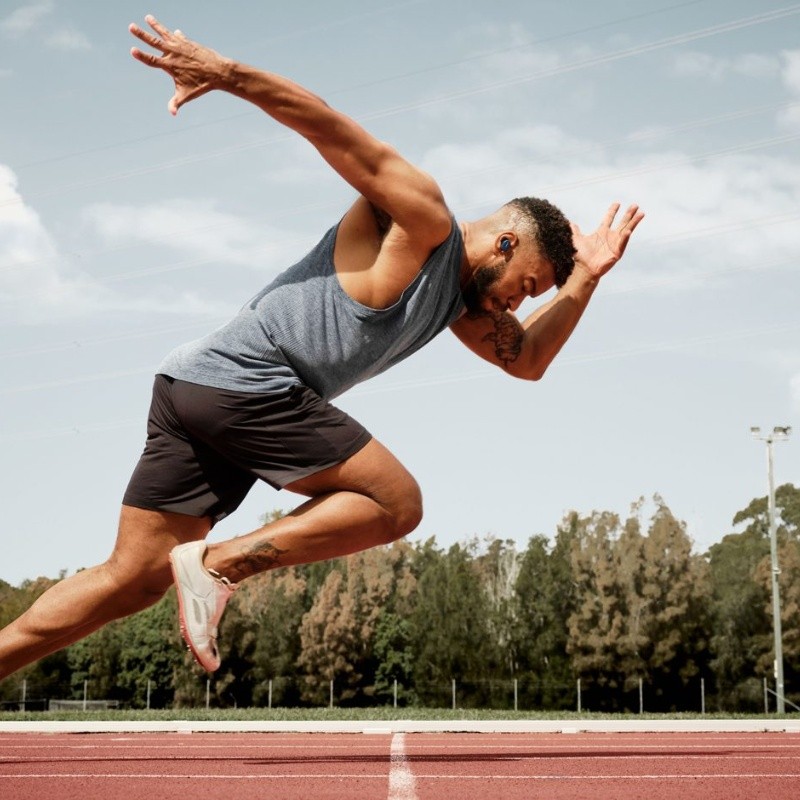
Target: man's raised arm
{"points": [[410, 197]]}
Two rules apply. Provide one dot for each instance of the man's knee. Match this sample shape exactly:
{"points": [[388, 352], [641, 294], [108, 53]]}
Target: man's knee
{"points": [[406, 508], [135, 590]]}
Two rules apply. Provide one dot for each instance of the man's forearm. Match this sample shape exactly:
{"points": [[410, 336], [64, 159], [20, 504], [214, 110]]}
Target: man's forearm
{"points": [[284, 100], [547, 329]]}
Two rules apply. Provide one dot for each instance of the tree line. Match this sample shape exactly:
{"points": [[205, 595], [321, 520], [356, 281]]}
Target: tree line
{"points": [[608, 600]]}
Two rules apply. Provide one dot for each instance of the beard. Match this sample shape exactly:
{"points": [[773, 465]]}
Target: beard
{"points": [[478, 286]]}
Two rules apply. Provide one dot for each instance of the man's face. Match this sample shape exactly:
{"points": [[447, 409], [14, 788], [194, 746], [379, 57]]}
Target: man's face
{"points": [[494, 289]]}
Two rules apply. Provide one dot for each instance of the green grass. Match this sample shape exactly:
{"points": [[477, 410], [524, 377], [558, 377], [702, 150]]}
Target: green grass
{"points": [[344, 714]]}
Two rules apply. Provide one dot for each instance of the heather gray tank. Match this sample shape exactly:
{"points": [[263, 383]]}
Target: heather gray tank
{"points": [[304, 328]]}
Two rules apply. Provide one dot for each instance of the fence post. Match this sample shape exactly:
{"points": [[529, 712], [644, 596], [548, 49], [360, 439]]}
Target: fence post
{"points": [[24, 692], [454, 694], [579, 695], [395, 692], [208, 692], [702, 695], [641, 697], [330, 701], [148, 694], [85, 693], [269, 694], [516, 695], [766, 697]]}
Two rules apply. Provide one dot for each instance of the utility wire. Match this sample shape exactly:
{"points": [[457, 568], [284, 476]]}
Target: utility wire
{"points": [[441, 380], [649, 135], [368, 84], [549, 73]]}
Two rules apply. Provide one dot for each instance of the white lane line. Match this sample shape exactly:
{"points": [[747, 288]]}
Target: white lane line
{"points": [[401, 779]]}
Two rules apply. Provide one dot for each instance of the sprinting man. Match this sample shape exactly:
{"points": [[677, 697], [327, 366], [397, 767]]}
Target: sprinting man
{"points": [[251, 401]]}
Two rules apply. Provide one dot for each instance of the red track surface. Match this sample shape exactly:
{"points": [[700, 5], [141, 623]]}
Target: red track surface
{"points": [[244, 766]]}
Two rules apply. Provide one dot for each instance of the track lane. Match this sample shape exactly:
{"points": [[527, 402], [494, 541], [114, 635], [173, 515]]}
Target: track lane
{"points": [[420, 766]]}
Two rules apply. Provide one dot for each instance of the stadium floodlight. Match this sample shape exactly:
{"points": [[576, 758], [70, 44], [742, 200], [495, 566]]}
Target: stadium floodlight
{"points": [[779, 434]]}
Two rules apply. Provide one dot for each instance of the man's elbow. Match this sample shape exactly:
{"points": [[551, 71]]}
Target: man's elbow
{"points": [[527, 372]]}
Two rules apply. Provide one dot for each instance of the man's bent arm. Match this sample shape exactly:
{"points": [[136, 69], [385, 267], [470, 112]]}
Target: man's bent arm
{"points": [[526, 349]]}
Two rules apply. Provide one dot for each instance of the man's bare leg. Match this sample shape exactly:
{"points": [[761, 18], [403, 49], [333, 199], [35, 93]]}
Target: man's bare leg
{"points": [[367, 500], [135, 576]]}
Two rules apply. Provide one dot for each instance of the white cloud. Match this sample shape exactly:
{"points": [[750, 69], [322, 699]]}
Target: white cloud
{"points": [[25, 18], [29, 18], [789, 118], [68, 40], [716, 68], [790, 62], [694, 206], [22, 235], [37, 285], [31, 285], [195, 228]]}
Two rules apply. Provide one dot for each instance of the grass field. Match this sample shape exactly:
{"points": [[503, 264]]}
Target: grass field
{"points": [[347, 714]]}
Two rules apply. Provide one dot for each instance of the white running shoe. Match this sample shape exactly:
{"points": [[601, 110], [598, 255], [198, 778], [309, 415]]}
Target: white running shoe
{"points": [[202, 597]]}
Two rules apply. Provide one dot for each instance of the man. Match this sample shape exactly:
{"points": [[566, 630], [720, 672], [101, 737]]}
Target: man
{"points": [[250, 401]]}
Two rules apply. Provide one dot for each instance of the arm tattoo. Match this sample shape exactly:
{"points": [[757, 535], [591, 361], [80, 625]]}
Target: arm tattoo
{"points": [[507, 337], [262, 556]]}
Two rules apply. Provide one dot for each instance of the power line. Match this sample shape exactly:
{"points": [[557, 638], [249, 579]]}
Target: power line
{"points": [[411, 384], [549, 73], [368, 84], [683, 161], [700, 274], [596, 61], [79, 344]]}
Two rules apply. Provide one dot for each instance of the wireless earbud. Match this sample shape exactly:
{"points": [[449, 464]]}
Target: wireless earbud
{"points": [[505, 245]]}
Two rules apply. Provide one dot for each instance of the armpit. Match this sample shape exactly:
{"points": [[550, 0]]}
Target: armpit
{"points": [[382, 220]]}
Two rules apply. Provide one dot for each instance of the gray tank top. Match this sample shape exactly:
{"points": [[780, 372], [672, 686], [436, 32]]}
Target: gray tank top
{"points": [[304, 328]]}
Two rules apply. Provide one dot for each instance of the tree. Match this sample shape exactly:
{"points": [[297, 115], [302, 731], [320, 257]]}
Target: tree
{"points": [[150, 652], [451, 635], [641, 610], [740, 568], [277, 602], [676, 591], [497, 570], [338, 633], [544, 600], [48, 677], [595, 625]]}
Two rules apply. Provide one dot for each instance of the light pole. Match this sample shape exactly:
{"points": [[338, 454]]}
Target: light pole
{"points": [[779, 434]]}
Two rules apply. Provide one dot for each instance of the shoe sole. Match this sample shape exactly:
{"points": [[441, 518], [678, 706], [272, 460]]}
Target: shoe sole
{"points": [[182, 617]]}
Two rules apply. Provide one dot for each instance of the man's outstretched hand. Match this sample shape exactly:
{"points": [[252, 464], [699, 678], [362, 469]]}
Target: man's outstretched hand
{"points": [[597, 252], [194, 69]]}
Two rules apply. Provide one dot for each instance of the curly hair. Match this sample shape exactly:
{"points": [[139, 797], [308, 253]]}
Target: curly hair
{"points": [[551, 231]]}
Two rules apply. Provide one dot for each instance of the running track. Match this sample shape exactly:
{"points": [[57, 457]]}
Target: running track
{"points": [[399, 766]]}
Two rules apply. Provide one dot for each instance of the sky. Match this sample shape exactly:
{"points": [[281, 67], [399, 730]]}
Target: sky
{"points": [[125, 232]]}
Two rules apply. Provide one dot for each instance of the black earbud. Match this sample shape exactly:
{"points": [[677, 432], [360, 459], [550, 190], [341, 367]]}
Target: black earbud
{"points": [[505, 245]]}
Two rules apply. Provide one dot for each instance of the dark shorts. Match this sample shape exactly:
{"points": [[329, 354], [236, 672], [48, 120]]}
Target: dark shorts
{"points": [[206, 447]]}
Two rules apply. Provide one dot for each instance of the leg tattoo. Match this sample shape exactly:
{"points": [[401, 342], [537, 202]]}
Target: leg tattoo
{"points": [[262, 556]]}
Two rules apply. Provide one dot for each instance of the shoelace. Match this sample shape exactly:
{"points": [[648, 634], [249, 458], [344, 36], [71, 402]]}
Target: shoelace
{"points": [[222, 579]]}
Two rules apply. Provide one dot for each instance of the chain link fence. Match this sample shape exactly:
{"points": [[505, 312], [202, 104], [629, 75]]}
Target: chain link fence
{"points": [[523, 694]]}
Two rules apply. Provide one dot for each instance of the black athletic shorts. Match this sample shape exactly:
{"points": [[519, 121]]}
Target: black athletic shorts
{"points": [[206, 447]]}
